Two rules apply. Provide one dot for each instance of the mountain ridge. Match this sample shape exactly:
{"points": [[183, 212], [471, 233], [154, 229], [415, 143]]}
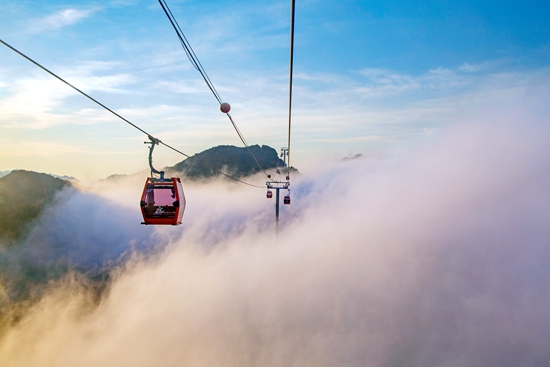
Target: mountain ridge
{"points": [[23, 197], [231, 160]]}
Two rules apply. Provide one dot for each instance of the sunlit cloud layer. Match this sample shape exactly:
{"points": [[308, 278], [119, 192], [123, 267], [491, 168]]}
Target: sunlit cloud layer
{"points": [[438, 257]]}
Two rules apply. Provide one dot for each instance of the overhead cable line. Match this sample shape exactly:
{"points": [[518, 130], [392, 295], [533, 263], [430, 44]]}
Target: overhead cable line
{"points": [[189, 50], [197, 64], [151, 137], [72, 86], [292, 7]]}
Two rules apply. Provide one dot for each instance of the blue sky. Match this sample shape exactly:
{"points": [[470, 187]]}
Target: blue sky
{"points": [[371, 77]]}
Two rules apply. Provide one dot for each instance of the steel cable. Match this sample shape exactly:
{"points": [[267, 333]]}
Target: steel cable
{"points": [[196, 63], [151, 137]]}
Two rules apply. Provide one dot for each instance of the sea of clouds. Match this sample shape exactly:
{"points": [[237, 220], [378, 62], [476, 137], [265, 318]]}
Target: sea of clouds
{"points": [[437, 257]]}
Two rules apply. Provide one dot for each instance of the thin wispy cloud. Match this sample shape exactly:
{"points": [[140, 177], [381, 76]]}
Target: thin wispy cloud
{"points": [[34, 102], [386, 76], [183, 86], [31, 102], [61, 19], [483, 66], [91, 67], [383, 82], [428, 131], [107, 83]]}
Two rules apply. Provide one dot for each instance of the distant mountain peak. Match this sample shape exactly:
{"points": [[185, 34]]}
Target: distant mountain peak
{"points": [[231, 160]]}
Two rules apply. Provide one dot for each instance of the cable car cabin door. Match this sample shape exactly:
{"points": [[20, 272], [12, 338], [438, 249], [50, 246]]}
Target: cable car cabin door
{"points": [[162, 201]]}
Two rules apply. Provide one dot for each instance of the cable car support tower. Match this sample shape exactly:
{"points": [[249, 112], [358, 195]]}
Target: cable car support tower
{"points": [[277, 184]]}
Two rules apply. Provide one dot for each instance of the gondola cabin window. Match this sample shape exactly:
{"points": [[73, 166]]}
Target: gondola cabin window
{"points": [[160, 201]]}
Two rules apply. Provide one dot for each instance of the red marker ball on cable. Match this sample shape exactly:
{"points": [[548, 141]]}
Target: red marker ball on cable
{"points": [[225, 107]]}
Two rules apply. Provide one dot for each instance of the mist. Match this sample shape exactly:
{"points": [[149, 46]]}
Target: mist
{"points": [[436, 257]]}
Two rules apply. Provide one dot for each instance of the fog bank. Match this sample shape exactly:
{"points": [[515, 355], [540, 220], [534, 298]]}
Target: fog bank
{"points": [[439, 257]]}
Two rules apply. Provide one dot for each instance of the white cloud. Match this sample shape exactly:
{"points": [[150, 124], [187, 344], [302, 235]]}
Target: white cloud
{"points": [[482, 66], [31, 103], [429, 131], [387, 77], [63, 18], [438, 258], [183, 86], [106, 83], [467, 67], [384, 82], [34, 103]]}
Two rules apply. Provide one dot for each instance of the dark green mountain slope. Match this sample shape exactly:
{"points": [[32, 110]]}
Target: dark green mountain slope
{"points": [[234, 161], [23, 196]]}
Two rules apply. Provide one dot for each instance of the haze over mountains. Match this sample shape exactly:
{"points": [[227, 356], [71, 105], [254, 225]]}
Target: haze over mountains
{"points": [[45, 234], [234, 161], [30, 204]]}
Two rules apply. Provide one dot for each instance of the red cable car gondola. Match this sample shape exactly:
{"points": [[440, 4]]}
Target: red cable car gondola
{"points": [[162, 201], [286, 199], [269, 194]]}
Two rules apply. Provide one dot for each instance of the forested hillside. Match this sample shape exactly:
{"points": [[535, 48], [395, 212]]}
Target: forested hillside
{"points": [[234, 161], [23, 196]]}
